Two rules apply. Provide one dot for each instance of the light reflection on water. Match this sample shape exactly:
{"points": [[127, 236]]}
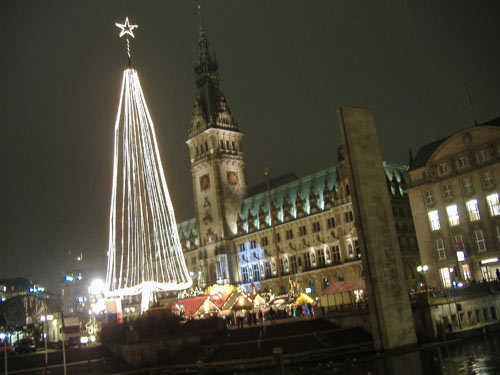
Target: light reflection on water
{"points": [[478, 355]]}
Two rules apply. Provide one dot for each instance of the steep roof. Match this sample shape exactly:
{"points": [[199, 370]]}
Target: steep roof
{"points": [[313, 186], [288, 192]]}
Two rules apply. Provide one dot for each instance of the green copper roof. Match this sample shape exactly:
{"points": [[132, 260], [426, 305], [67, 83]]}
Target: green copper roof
{"points": [[208, 91], [306, 188], [287, 193]]}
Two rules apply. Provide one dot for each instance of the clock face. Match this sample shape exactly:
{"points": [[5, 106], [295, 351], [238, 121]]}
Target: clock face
{"points": [[232, 178], [205, 182]]}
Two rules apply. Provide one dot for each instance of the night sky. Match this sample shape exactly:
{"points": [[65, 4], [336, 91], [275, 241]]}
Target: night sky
{"points": [[285, 67]]}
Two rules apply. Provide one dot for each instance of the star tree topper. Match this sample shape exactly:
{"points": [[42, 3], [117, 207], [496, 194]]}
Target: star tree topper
{"points": [[126, 28]]}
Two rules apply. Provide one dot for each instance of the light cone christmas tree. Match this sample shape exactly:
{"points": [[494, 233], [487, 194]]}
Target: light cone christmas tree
{"points": [[144, 251]]}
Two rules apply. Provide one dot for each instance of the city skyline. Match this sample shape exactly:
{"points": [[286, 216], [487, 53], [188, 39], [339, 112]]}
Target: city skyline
{"points": [[285, 67]]}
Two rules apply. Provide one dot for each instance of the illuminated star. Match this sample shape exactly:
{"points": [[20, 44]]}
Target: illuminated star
{"points": [[126, 28]]}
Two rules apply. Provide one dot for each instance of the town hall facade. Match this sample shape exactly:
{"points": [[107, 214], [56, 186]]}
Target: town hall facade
{"points": [[231, 238]]}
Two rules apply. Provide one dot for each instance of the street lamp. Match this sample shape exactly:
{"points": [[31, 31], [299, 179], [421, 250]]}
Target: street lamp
{"points": [[85, 340], [96, 289], [422, 269], [454, 287], [44, 319]]}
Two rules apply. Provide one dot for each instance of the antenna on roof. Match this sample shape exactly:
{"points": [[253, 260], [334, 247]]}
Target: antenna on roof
{"points": [[471, 108]]}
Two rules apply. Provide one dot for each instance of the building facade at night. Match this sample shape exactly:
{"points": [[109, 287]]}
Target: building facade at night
{"points": [[231, 238], [454, 197]]}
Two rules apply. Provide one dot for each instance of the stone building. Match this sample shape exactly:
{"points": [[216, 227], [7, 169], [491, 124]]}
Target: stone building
{"points": [[454, 197], [231, 238]]}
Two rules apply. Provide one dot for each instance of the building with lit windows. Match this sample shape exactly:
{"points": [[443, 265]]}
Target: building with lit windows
{"points": [[80, 272], [454, 197], [231, 238], [18, 286]]}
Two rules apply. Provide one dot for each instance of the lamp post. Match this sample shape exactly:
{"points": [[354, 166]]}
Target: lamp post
{"points": [[85, 340], [454, 287], [422, 269], [44, 319], [96, 289]]}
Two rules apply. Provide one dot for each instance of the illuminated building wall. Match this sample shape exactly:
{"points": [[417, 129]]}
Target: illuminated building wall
{"points": [[230, 240], [454, 198]]}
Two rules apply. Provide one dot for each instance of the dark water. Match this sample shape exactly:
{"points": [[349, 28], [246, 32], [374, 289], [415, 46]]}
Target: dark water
{"points": [[477, 355]]}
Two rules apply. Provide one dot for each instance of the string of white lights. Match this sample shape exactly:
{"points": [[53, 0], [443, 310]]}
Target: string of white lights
{"points": [[144, 254]]}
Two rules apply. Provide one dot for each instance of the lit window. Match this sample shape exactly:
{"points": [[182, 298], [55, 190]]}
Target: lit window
{"points": [[473, 210], [488, 180], [429, 197], [483, 155], [445, 277], [447, 191], [462, 162], [440, 249], [493, 204], [481, 245], [467, 185], [443, 169], [434, 220], [453, 217]]}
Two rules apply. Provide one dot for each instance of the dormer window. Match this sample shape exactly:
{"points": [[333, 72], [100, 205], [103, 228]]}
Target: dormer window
{"points": [[483, 155], [462, 162], [443, 169]]}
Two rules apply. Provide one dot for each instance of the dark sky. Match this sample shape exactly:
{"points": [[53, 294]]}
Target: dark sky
{"points": [[285, 67]]}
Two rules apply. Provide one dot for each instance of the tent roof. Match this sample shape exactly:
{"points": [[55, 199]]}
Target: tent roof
{"points": [[344, 286], [219, 299], [192, 304]]}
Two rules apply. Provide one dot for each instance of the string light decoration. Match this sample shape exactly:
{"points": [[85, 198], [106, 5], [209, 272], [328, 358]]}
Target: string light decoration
{"points": [[144, 251]]}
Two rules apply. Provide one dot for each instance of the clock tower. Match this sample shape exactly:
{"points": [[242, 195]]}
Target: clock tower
{"points": [[217, 167]]}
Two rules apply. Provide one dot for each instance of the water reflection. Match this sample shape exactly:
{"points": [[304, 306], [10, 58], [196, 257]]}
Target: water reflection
{"points": [[478, 355]]}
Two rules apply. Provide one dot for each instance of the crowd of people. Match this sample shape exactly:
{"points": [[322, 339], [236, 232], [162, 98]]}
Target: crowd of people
{"points": [[243, 317]]}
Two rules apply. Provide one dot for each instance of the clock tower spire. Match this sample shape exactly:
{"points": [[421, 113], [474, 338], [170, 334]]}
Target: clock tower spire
{"points": [[217, 166]]}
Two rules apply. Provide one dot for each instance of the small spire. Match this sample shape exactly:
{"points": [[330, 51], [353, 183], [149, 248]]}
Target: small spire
{"points": [[202, 29]]}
